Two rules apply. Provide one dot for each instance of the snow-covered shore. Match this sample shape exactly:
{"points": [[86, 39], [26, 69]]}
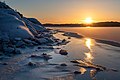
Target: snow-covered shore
{"points": [[29, 51], [17, 31]]}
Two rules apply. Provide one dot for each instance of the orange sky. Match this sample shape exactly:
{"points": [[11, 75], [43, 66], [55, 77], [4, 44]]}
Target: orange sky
{"points": [[68, 11]]}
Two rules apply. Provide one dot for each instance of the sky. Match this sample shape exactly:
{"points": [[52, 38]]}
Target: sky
{"points": [[68, 11]]}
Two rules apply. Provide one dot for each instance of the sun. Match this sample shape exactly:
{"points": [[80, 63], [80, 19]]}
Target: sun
{"points": [[88, 20]]}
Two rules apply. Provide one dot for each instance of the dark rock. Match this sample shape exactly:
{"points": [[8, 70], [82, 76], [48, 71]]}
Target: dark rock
{"points": [[77, 72], [5, 64], [46, 57], [20, 44], [71, 34], [74, 61], [63, 52], [69, 37], [39, 47], [27, 41], [33, 55], [63, 64], [18, 39], [0, 47], [17, 51], [31, 64], [63, 40], [42, 40], [8, 49]]}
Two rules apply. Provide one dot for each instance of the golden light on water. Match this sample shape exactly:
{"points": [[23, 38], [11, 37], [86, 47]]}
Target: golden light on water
{"points": [[89, 56], [89, 43], [82, 70]]}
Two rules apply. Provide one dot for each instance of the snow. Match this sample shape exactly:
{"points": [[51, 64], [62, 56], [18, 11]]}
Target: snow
{"points": [[36, 27], [14, 25], [35, 21]]}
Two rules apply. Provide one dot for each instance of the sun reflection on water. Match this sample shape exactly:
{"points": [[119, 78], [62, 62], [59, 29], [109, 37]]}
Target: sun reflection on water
{"points": [[89, 55]]}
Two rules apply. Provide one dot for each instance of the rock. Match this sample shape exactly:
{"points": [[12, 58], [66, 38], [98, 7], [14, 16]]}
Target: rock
{"points": [[63, 40], [4, 37], [10, 45], [8, 49], [30, 45], [4, 63], [0, 47], [47, 35], [31, 42], [18, 39], [17, 51], [46, 57], [63, 64], [49, 40], [77, 72], [39, 47], [63, 52], [34, 43], [20, 44], [27, 41], [74, 61], [71, 34], [42, 40], [31, 64], [69, 37], [33, 55]]}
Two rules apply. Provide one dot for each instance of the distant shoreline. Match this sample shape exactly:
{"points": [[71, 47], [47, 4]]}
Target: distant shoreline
{"points": [[99, 24]]}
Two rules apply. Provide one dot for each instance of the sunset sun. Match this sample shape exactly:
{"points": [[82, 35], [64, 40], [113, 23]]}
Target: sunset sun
{"points": [[88, 20]]}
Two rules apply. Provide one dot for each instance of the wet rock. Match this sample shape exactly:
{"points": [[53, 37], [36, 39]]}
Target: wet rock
{"points": [[77, 72], [74, 61], [63, 52], [63, 40], [69, 37], [93, 73], [63, 64]]}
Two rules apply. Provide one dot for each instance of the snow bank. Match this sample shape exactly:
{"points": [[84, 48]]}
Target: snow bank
{"points": [[14, 25], [34, 24]]}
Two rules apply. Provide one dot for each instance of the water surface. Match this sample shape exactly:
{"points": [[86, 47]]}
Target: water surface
{"points": [[110, 33]]}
